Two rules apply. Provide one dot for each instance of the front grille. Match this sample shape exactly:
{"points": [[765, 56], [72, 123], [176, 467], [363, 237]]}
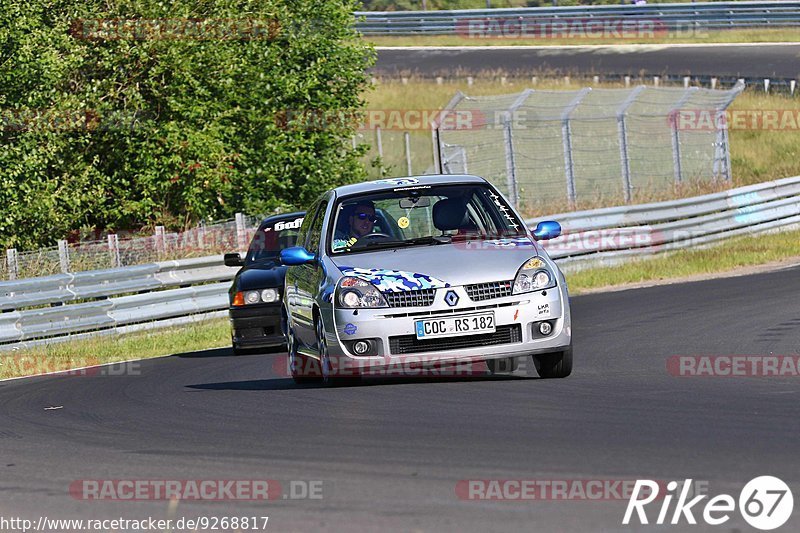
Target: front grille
{"points": [[406, 344], [487, 291], [418, 298]]}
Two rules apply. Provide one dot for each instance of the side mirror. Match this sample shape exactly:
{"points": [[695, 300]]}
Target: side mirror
{"points": [[546, 230], [296, 255], [233, 260]]}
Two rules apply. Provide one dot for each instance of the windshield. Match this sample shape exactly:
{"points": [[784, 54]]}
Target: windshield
{"points": [[271, 237], [411, 216]]}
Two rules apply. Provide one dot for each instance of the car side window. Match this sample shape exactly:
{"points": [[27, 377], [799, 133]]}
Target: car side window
{"points": [[315, 231], [304, 228]]}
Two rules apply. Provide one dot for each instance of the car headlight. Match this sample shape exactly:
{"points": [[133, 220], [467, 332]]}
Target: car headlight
{"points": [[269, 295], [265, 296], [356, 293], [534, 275]]}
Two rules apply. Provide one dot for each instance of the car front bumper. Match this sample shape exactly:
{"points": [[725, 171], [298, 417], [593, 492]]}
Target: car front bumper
{"points": [[257, 326], [517, 318]]}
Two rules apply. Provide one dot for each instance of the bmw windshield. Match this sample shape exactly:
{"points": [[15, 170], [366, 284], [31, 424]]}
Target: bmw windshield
{"points": [[421, 215], [270, 238]]}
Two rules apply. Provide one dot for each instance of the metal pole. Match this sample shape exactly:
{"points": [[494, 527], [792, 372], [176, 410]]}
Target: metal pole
{"points": [[113, 249], [676, 141], [436, 134], [511, 168], [241, 232], [566, 138], [627, 184], [63, 256], [722, 133], [437, 155], [379, 139], [407, 139], [161, 243], [464, 160], [13, 263]]}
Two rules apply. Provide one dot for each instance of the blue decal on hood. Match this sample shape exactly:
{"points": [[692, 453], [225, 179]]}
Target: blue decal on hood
{"points": [[394, 280]]}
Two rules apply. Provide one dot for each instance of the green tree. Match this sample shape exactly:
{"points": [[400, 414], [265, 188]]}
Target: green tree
{"points": [[111, 124]]}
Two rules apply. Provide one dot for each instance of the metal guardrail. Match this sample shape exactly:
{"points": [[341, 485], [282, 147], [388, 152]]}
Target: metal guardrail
{"points": [[111, 300], [612, 235], [673, 17], [54, 308]]}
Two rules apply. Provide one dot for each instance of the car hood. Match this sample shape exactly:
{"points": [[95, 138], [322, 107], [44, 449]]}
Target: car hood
{"points": [[260, 276], [443, 265]]}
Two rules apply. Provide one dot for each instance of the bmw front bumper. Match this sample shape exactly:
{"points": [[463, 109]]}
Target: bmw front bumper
{"points": [[257, 326]]}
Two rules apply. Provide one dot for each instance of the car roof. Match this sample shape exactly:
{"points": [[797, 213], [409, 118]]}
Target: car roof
{"points": [[410, 181], [283, 216]]}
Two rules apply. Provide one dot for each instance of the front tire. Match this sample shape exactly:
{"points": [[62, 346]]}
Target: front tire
{"points": [[327, 369], [554, 365]]}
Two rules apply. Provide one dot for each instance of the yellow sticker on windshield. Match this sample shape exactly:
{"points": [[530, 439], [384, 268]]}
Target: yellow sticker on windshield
{"points": [[403, 222]]}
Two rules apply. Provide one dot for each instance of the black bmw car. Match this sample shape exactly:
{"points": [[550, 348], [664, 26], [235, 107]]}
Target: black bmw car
{"points": [[256, 292]]}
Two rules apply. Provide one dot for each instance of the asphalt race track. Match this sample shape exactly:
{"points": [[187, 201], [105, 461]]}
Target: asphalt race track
{"points": [[390, 453], [751, 61]]}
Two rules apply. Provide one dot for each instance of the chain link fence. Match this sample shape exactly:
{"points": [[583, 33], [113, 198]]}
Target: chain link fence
{"points": [[541, 146]]}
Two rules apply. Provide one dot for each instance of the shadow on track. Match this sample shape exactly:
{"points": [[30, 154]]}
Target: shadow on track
{"points": [[228, 352], [289, 384]]}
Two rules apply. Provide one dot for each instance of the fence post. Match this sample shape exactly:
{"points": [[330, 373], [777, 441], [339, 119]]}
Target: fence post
{"points": [[241, 232], [566, 138], [113, 249], [674, 115], [379, 140], [627, 184], [407, 139], [63, 256], [201, 235], [161, 242], [464, 160], [723, 152], [511, 166], [437, 150], [13, 263], [436, 134], [508, 118]]}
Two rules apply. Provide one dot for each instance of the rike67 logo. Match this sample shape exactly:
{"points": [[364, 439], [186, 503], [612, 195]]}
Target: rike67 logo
{"points": [[765, 503]]}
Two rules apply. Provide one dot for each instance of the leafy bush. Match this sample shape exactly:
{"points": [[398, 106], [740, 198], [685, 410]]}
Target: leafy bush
{"points": [[119, 126]]}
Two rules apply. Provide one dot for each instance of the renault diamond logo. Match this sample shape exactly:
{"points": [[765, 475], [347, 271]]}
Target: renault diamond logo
{"points": [[451, 298]]}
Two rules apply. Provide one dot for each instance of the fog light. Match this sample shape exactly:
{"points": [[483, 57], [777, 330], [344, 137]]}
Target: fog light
{"points": [[360, 347], [545, 328]]}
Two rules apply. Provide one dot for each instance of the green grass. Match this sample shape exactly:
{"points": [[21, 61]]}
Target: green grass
{"points": [[699, 37], [109, 349], [730, 255]]}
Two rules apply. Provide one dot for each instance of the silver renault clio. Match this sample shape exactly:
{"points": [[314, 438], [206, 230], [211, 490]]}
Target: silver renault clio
{"points": [[422, 271]]}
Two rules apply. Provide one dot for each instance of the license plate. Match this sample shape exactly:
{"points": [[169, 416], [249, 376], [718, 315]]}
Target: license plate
{"points": [[453, 326]]}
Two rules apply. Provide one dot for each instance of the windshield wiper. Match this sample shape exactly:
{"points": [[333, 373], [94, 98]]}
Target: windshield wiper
{"points": [[430, 239]]}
